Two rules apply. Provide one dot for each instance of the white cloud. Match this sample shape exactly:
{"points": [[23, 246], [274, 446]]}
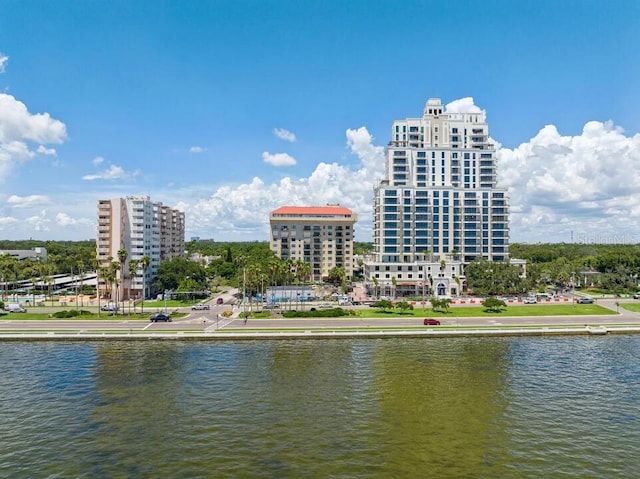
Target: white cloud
{"points": [[18, 128], [28, 201], [6, 221], [97, 160], [196, 149], [39, 222], [278, 159], [63, 219], [242, 211], [582, 186], [463, 105], [285, 135], [114, 172], [46, 151], [3, 62]]}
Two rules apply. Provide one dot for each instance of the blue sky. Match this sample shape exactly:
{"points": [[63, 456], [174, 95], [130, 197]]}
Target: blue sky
{"points": [[229, 109]]}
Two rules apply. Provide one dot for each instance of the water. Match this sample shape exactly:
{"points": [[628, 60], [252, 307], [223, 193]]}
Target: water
{"points": [[441, 408]]}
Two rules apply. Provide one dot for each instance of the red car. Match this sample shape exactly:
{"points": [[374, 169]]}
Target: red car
{"points": [[431, 322]]}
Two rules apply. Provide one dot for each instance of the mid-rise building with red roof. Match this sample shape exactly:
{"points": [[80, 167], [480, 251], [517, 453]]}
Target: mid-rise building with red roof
{"points": [[321, 236]]}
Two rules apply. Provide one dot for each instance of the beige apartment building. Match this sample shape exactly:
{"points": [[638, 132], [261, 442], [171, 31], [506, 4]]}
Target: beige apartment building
{"points": [[321, 236], [143, 228]]}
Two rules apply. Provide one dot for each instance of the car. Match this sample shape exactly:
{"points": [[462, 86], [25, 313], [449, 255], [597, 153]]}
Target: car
{"points": [[14, 308], [271, 306], [199, 307], [219, 301], [530, 301], [109, 307], [161, 317], [585, 301], [636, 296], [431, 322]]}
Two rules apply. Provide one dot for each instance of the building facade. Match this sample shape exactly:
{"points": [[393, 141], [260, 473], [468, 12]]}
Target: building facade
{"points": [[439, 200], [321, 236], [143, 228], [36, 254]]}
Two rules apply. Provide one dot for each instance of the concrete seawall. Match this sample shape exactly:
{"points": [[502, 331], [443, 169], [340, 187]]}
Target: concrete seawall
{"points": [[319, 334]]}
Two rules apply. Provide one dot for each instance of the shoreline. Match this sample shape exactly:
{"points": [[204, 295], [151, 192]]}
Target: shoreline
{"points": [[589, 330]]}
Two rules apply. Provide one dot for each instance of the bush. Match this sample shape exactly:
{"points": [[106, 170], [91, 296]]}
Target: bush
{"points": [[71, 313], [320, 313]]}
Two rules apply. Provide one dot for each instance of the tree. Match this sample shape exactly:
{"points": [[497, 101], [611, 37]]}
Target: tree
{"points": [[384, 305], [494, 305], [145, 261], [404, 306], [375, 287], [122, 258], [133, 273], [337, 275], [440, 305], [394, 285]]}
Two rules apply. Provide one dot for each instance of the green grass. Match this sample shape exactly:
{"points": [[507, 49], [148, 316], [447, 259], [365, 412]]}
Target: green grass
{"points": [[473, 311], [635, 307], [171, 303]]}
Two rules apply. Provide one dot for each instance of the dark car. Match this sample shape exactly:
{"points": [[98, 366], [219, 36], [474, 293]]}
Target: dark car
{"points": [[219, 301], [585, 301], [431, 322], [160, 317]]}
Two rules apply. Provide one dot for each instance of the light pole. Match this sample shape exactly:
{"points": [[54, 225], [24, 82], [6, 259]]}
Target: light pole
{"points": [[165, 300]]}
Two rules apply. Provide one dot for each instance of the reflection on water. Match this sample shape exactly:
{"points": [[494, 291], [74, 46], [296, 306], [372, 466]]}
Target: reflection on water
{"points": [[460, 407]]}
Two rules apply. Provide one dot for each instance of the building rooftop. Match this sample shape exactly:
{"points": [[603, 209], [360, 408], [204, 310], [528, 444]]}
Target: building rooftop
{"points": [[312, 210]]}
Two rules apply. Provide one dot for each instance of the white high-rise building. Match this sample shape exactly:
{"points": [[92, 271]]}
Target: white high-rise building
{"points": [[143, 228], [439, 200]]}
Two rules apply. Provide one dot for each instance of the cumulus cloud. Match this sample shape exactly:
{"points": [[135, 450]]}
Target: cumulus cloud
{"points": [[243, 210], [19, 128], [7, 221], [3, 62], [39, 222], [114, 172], [196, 149], [28, 201], [285, 135], [463, 105], [278, 159], [571, 187], [63, 219], [46, 151], [97, 160]]}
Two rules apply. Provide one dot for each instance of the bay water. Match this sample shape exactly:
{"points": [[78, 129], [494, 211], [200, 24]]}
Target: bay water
{"points": [[557, 407]]}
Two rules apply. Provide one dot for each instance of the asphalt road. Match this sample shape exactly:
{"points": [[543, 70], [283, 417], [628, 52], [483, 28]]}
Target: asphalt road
{"points": [[208, 320]]}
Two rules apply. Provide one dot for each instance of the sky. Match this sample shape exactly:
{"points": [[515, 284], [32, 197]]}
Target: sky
{"points": [[229, 109]]}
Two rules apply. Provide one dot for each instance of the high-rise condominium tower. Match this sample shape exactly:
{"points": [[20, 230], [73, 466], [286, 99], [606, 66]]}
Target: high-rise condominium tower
{"points": [[439, 196], [142, 228]]}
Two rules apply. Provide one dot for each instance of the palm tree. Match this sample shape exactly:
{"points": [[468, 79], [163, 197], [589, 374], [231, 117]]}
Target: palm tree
{"points": [[145, 261], [394, 283], [97, 267], [375, 287], [122, 258], [133, 273]]}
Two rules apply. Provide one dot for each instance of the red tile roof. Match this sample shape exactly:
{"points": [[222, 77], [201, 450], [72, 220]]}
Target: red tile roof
{"points": [[312, 210]]}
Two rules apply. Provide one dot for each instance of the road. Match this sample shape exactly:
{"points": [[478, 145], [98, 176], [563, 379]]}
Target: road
{"points": [[209, 320]]}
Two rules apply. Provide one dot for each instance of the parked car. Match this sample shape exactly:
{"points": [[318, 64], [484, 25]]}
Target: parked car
{"points": [[219, 301], [14, 308], [109, 307], [160, 317], [530, 301], [431, 322], [200, 307], [271, 306], [636, 296], [585, 301]]}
